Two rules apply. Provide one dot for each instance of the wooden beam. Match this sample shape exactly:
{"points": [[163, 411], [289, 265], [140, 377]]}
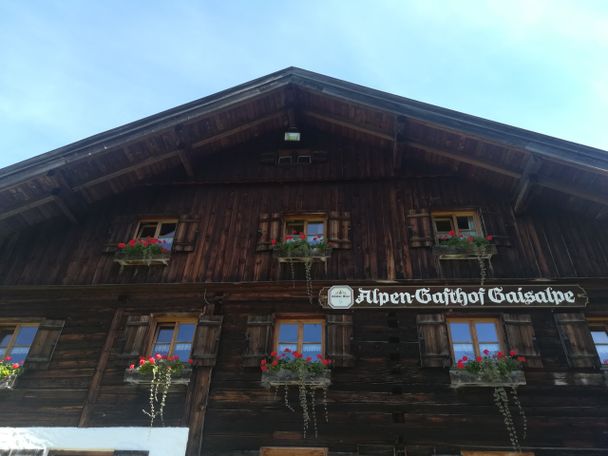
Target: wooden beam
{"points": [[127, 170], [350, 125], [62, 204], [186, 162], [27, 207], [525, 184], [561, 187], [241, 128], [93, 393]]}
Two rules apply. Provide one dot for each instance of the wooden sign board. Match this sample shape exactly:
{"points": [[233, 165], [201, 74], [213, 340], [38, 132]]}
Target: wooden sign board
{"points": [[441, 297]]}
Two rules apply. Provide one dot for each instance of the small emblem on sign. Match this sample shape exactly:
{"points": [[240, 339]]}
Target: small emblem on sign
{"points": [[340, 297]]}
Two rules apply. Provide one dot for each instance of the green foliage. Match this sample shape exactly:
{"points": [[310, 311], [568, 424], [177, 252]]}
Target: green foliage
{"points": [[9, 369]]}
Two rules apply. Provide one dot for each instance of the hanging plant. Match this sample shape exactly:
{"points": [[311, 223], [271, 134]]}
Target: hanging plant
{"points": [[9, 372], [291, 369], [457, 246], [158, 372], [500, 370], [296, 248]]}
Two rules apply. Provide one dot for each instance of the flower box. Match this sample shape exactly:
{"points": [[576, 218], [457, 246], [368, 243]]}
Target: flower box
{"points": [[464, 252], [125, 259], [134, 377], [8, 382], [302, 254], [286, 377], [462, 377]]}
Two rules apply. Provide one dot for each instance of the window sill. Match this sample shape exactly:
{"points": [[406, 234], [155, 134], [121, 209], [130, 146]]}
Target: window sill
{"points": [[162, 259], [134, 377], [446, 252], [461, 377], [8, 383], [286, 377]]}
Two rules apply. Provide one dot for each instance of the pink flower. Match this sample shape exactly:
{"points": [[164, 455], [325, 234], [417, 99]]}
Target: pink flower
{"points": [[521, 359], [513, 353], [263, 362], [158, 356], [465, 358], [151, 360], [121, 245], [15, 365], [486, 352], [132, 366], [142, 362], [8, 358], [275, 362], [489, 237]]}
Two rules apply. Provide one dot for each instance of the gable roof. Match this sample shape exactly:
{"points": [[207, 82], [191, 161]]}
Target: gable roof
{"points": [[63, 181]]}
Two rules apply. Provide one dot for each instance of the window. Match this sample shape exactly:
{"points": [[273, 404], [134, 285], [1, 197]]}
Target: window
{"points": [[461, 223], [495, 453], [290, 451], [173, 338], [163, 230], [303, 335], [312, 226], [470, 337], [15, 341], [599, 333]]}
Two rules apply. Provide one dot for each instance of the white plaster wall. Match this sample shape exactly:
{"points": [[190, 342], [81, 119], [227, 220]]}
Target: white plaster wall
{"points": [[169, 441]]}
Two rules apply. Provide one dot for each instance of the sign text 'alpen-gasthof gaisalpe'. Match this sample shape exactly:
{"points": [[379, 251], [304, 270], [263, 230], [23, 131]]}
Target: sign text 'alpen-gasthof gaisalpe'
{"points": [[345, 297]]}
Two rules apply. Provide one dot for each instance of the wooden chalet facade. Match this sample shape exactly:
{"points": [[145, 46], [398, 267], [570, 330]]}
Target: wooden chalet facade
{"points": [[381, 180]]}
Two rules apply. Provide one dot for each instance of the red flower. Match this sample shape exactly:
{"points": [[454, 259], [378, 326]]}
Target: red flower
{"points": [[297, 355], [151, 360], [465, 358], [521, 359], [288, 237], [486, 352], [460, 365], [121, 245], [263, 362], [273, 242], [273, 354], [153, 241], [302, 236], [142, 362], [513, 353], [275, 362], [326, 362], [132, 366], [158, 356], [16, 366], [478, 359], [132, 243], [264, 368], [294, 232], [176, 358], [8, 358], [319, 356], [500, 355], [190, 361], [452, 233], [489, 237], [287, 350], [308, 359]]}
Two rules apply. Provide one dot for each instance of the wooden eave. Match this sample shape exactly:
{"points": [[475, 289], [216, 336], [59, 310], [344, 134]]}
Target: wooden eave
{"points": [[65, 181]]}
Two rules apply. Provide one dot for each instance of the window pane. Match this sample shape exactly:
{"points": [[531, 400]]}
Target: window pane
{"points": [[5, 336], [311, 350], [291, 347], [294, 225], [602, 351], [186, 332], [599, 337], [182, 351], [19, 354], [147, 229], [443, 225], [165, 334], [492, 348], [465, 222], [167, 230], [312, 332], [486, 332], [315, 228], [161, 348], [460, 332], [288, 332], [26, 335], [461, 350]]}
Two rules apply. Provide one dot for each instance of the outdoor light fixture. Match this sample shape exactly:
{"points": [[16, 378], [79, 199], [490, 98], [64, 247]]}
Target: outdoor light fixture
{"points": [[292, 134]]}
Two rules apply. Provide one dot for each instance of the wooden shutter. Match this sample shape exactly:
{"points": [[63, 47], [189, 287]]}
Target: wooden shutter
{"points": [[499, 222], [433, 340], [121, 229], [186, 233], [521, 337], [135, 337], [207, 340], [338, 230], [420, 228], [44, 343], [576, 339], [258, 339], [269, 228], [340, 339]]}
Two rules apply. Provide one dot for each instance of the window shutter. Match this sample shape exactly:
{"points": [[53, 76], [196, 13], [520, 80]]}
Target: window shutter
{"points": [[207, 340], [499, 223], [269, 228], [121, 229], [186, 233], [338, 230], [44, 343], [433, 340], [258, 339], [420, 228], [520, 336], [576, 339], [339, 339], [135, 336]]}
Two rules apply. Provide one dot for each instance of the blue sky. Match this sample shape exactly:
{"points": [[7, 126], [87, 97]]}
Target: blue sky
{"points": [[70, 69]]}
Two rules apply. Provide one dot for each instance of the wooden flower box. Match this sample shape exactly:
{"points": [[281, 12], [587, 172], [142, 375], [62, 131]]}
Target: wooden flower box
{"points": [[300, 255], [285, 377], [8, 382], [145, 260], [135, 377], [462, 377], [468, 252]]}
